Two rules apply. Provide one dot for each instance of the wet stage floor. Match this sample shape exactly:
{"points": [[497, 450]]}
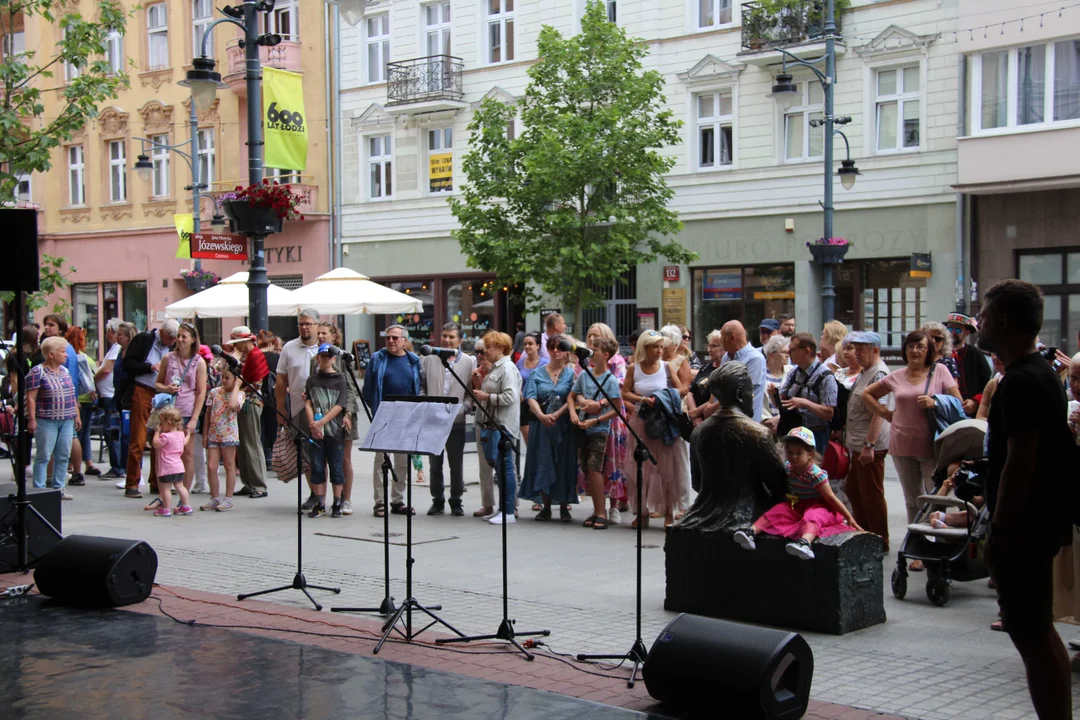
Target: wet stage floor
{"points": [[58, 663]]}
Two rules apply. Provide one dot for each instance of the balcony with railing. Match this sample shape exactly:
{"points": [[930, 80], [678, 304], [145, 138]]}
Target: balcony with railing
{"points": [[425, 84], [284, 56], [797, 26]]}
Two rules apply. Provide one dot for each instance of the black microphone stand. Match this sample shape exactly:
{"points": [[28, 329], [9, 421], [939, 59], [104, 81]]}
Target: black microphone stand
{"points": [[386, 608], [637, 651], [299, 581], [506, 629]]}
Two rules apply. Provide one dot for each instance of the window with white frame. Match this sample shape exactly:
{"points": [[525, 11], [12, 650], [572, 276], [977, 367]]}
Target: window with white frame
{"points": [[440, 146], [612, 11], [114, 52], [117, 171], [1027, 86], [207, 157], [14, 44], [380, 167], [500, 31], [282, 175], [202, 16], [284, 19], [76, 175], [71, 70], [157, 36], [898, 109], [437, 28], [713, 13], [159, 156], [377, 31], [715, 130], [23, 188], [801, 140]]}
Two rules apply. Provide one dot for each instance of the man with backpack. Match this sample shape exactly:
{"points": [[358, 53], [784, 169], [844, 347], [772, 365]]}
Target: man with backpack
{"points": [[808, 394]]}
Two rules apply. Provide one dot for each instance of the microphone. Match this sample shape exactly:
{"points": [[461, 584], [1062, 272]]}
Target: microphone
{"points": [[444, 353], [232, 362], [578, 349]]}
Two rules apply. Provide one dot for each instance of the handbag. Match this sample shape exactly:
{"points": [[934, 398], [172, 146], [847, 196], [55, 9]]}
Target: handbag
{"points": [[283, 456]]}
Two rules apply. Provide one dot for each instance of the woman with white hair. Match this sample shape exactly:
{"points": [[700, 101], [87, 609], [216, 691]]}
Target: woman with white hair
{"points": [[777, 367], [679, 362], [52, 410]]}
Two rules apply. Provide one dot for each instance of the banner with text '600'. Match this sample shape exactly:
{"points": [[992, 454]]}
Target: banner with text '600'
{"points": [[283, 118]]}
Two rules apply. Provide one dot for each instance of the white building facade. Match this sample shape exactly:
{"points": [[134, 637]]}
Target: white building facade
{"points": [[748, 175]]}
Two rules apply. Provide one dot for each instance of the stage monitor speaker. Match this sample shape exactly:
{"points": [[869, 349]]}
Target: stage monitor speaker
{"points": [[91, 571], [20, 270], [40, 540], [749, 672]]}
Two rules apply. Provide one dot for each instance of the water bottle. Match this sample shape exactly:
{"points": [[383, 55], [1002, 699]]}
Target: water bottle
{"points": [[176, 380], [318, 416]]}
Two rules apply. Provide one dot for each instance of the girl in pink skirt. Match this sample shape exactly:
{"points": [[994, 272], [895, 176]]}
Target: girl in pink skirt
{"points": [[810, 511]]}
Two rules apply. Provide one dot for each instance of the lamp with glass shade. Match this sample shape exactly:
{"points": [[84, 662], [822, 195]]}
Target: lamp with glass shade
{"points": [[352, 11], [204, 82], [848, 173], [144, 168], [785, 92]]}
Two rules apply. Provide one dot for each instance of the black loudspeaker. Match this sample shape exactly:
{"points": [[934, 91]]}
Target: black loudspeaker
{"points": [[20, 270], [97, 572], [40, 539], [750, 672]]}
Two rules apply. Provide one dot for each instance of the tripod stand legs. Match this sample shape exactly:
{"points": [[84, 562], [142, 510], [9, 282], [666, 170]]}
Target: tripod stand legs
{"points": [[505, 632], [636, 655], [299, 583], [386, 607]]}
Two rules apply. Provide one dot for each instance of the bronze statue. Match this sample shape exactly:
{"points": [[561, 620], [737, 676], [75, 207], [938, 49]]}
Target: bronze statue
{"points": [[735, 459]]}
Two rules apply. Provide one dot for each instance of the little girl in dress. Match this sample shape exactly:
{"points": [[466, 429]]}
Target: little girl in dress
{"points": [[169, 441], [221, 437], [810, 511]]}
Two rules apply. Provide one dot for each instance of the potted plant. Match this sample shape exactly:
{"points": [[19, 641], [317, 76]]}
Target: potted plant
{"points": [[199, 280], [829, 251], [261, 209], [755, 23]]}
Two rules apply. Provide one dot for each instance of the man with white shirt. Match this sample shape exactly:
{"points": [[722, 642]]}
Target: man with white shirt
{"points": [[293, 369], [738, 348], [437, 380]]}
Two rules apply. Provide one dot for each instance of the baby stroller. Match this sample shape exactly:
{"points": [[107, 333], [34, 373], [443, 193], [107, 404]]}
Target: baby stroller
{"points": [[952, 553]]}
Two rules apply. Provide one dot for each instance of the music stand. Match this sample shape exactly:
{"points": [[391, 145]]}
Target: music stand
{"points": [[417, 425]]}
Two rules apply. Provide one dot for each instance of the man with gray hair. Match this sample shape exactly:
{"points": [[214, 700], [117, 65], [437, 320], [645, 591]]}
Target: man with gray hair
{"points": [[294, 366], [141, 363], [392, 371], [103, 378], [438, 381]]}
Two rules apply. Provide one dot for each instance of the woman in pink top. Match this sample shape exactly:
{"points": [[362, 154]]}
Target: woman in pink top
{"points": [[911, 441], [169, 440]]}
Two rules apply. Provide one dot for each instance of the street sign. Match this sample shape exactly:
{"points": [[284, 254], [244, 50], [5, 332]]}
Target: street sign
{"points": [[671, 273], [210, 246], [920, 265]]}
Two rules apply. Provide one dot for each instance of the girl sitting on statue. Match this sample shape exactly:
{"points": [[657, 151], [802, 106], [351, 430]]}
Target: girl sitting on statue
{"points": [[810, 511]]}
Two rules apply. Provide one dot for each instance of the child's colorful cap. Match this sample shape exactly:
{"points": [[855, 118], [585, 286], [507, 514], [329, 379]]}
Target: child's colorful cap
{"points": [[327, 349], [803, 435]]}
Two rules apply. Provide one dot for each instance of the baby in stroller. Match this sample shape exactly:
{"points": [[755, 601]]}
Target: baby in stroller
{"points": [[941, 519]]}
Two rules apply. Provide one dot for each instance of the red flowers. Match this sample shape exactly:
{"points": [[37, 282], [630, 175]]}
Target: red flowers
{"points": [[275, 196]]}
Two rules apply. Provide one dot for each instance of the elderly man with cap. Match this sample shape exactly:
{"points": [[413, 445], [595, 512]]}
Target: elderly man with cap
{"points": [[767, 329], [867, 438], [975, 369], [250, 460]]}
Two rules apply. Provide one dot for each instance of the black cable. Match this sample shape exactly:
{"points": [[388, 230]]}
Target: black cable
{"points": [[550, 654]]}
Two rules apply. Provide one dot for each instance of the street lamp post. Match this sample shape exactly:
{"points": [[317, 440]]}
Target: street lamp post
{"points": [[785, 92], [204, 82]]}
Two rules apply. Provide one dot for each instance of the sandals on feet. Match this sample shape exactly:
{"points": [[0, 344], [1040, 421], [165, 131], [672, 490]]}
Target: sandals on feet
{"points": [[634, 524], [399, 508], [589, 521], [564, 514], [544, 514], [380, 510], [599, 523], [153, 504]]}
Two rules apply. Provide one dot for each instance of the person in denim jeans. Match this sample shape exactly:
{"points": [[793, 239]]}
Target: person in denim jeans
{"points": [[500, 395], [103, 378], [53, 413], [327, 398]]}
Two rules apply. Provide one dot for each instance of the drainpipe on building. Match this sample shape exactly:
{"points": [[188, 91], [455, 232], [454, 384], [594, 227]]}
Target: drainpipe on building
{"points": [[330, 122], [338, 153], [961, 217]]}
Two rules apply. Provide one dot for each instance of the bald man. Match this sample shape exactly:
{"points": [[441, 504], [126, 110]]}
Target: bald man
{"points": [[738, 348]]}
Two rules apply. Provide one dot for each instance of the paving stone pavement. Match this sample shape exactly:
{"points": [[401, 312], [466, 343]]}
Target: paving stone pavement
{"points": [[925, 662]]}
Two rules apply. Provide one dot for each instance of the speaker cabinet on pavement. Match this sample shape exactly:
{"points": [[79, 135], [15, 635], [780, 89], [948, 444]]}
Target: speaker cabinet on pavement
{"points": [[19, 270], [741, 670], [40, 539], [88, 571]]}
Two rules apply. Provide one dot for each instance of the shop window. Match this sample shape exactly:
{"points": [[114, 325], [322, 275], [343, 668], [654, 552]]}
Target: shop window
{"points": [[748, 294], [84, 300], [1057, 273], [134, 297], [893, 302], [471, 304], [421, 326], [210, 331], [110, 295]]}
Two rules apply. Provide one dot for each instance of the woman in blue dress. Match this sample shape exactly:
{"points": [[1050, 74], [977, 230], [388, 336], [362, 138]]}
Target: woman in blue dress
{"points": [[551, 463]]}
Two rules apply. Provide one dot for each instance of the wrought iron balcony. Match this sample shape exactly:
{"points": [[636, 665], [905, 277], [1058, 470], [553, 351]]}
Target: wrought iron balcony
{"points": [[797, 21], [434, 80]]}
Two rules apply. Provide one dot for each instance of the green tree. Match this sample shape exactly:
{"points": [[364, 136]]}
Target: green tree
{"points": [[27, 137], [579, 196]]}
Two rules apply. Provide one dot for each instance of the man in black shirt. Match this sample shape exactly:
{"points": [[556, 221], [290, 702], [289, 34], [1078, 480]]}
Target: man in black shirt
{"points": [[1026, 492]]}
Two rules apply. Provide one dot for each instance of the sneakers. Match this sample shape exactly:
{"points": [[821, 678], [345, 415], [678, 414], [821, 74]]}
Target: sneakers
{"points": [[184, 510], [65, 495], [163, 512], [317, 509], [132, 493], [437, 508], [499, 519], [335, 509], [212, 505], [200, 489], [309, 503], [613, 516], [745, 538], [346, 507], [800, 549], [77, 480], [457, 510], [111, 475], [257, 494], [225, 505]]}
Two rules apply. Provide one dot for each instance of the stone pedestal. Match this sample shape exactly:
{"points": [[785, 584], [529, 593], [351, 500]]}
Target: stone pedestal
{"points": [[839, 591]]}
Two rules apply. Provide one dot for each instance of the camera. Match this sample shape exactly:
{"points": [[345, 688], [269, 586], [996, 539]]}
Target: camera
{"points": [[1050, 353]]}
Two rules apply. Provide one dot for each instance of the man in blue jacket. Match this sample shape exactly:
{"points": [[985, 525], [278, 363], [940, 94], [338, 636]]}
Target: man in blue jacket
{"points": [[392, 371]]}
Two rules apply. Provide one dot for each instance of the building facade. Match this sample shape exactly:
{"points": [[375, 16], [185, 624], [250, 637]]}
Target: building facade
{"points": [[118, 230], [748, 174]]}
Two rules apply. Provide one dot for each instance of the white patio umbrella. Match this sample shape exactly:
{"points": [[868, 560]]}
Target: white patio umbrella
{"points": [[346, 292], [229, 298]]}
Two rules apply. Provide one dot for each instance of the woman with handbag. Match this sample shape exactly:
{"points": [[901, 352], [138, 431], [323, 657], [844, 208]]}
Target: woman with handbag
{"points": [[87, 390], [551, 462], [615, 450], [911, 440], [182, 374]]}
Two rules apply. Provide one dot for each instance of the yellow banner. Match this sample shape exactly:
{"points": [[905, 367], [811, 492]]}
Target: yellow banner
{"points": [[286, 133], [185, 225], [441, 172]]}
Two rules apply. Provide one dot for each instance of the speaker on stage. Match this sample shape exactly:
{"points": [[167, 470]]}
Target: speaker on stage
{"points": [[749, 671], [40, 538], [20, 270], [97, 572]]}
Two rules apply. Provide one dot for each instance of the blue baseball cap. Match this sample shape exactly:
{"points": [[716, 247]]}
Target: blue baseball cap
{"points": [[770, 324], [327, 349]]}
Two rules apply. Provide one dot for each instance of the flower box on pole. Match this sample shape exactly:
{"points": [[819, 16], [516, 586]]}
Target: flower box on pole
{"points": [[261, 209]]}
